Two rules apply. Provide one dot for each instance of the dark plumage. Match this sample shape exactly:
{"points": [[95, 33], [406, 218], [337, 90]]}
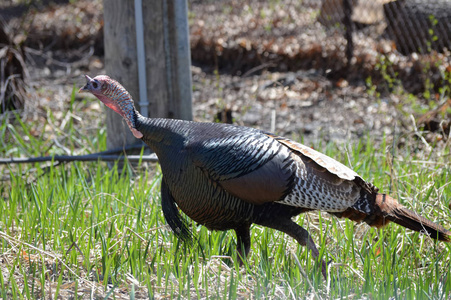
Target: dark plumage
{"points": [[229, 177]]}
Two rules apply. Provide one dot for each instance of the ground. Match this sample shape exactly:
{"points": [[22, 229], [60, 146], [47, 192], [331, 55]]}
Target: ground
{"points": [[270, 64], [265, 64]]}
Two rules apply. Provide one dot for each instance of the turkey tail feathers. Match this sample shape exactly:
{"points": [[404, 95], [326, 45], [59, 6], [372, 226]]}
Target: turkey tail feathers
{"points": [[395, 212]]}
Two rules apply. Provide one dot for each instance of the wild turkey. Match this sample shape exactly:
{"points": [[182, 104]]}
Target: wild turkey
{"points": [[229, 177]]}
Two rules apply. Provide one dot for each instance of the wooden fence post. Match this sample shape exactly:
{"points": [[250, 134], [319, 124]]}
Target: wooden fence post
{"points": [[167, 58]]}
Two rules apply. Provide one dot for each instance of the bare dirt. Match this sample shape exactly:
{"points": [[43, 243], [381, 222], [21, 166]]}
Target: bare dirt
{"points": [[263, 64]]}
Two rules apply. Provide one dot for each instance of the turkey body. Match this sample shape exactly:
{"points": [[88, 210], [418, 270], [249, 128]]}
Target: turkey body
{"points": [[222, 175], [229, 177]]}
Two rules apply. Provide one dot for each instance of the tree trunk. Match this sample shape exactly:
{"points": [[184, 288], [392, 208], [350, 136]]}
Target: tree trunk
{"points": [[167, 60]]}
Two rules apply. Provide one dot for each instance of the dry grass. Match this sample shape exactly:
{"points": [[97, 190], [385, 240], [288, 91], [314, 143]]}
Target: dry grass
{"points": [[82, 231]]}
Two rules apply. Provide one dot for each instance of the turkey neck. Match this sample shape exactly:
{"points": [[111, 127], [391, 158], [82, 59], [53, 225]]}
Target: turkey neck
{"points": [[166, 137], [162, 134]]}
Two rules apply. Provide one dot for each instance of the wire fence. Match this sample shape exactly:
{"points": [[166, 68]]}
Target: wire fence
{"points": [[407, 41], [414, 26]]}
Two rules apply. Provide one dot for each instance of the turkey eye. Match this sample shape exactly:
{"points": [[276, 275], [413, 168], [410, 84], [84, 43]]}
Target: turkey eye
{"points": [[95, 85]]}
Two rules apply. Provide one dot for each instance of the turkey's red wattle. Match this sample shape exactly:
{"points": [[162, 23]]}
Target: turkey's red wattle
{"points": [[110, 103]]}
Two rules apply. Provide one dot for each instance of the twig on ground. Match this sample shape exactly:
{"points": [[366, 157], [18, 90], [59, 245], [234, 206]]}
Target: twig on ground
{"points": [[419, 135], [258, 68], [305, 275], [46, 253], [74, 244]]}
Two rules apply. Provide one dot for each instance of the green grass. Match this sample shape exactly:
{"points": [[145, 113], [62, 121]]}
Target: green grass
{"points": [[83, 230]]}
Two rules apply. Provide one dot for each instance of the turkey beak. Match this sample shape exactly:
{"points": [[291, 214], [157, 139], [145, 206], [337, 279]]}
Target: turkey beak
{"points": [[86, 87]]}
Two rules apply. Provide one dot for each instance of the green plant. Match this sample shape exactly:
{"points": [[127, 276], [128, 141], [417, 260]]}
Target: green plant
{"points": [[84, 230]]}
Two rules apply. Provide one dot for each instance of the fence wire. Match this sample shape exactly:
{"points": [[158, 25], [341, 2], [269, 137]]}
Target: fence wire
{"points": [[418, 26]]}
